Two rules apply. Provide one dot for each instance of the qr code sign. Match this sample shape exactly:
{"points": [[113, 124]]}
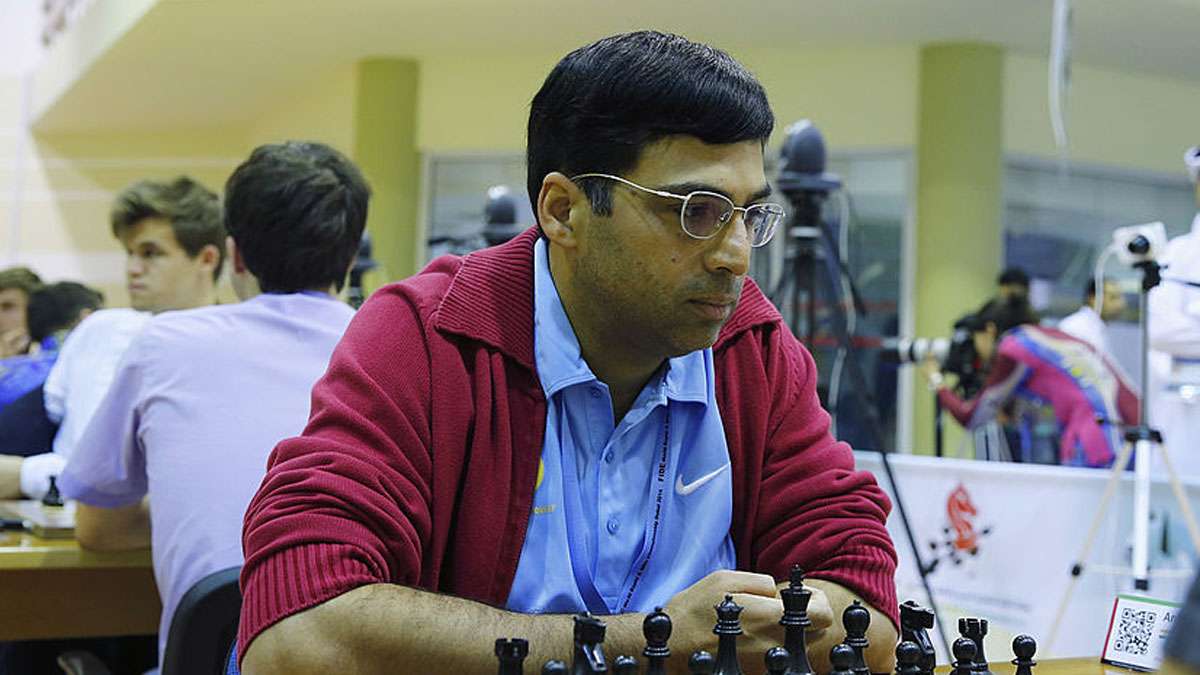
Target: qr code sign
{"points": [[1134, 631]]}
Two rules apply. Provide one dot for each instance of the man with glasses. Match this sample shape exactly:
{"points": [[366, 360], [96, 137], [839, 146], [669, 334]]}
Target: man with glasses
{"points": [[603, 414]]}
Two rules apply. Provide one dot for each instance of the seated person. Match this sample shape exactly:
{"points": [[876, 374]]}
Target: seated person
{"points": [[53, 311], [201, 396], [174, 245], [1087, 392], [604, 413], [1089, 326], [16, 285]]}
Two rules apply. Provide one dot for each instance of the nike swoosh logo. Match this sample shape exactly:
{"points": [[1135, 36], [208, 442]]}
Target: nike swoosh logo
{"points": [[684, 490]]}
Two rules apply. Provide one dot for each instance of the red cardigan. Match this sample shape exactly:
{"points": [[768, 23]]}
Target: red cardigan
{"points": [[417, 466]]}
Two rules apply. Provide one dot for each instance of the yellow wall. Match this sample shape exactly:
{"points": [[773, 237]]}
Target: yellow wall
{"points": [[322, 110], [860, 97], [1120, 119]]}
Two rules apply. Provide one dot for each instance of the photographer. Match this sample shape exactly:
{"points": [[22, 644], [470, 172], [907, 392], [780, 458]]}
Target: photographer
{"points": [[1031, 364], [1175, 341]]}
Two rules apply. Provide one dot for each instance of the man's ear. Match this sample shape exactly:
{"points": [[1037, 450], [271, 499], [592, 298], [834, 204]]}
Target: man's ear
{"points": [[233, 256], [561, 209], [209, 256]]}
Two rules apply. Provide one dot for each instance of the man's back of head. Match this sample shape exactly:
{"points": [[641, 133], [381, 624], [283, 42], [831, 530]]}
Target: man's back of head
{"points": [[174, 241], [60, 307], [296, 213]]}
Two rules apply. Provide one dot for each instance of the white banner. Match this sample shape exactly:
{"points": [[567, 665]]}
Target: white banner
{"points": [[1002, 539]]}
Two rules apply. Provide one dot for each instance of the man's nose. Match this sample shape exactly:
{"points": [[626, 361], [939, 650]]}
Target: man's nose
{"points": [[731, 250]]}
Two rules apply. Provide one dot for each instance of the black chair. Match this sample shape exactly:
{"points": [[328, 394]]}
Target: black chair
{"points": [[204, 628]]}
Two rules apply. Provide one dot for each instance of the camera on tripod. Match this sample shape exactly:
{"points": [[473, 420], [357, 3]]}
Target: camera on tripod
{"points": [[955, 355], [1140, 243]]}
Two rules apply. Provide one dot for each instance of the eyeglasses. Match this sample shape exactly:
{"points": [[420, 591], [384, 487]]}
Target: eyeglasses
{"points": [[703, 214]]}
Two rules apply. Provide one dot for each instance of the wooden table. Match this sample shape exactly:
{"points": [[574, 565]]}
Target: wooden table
{"points": [[1083, 666], [50, 588]]}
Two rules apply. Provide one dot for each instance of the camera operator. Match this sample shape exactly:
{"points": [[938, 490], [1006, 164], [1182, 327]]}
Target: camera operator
{"points": [[1030, 364], [1175, 340]]}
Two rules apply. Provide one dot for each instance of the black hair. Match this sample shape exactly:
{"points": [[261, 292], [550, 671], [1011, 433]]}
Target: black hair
{"points": [[1089, 291], [57, 307], [1013, 276], [296, 211], [603, 103], [1006, 315], [193, 210]]}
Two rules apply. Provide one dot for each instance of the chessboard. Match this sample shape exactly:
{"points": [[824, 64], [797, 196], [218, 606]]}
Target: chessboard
{"points": [[915, 654]]}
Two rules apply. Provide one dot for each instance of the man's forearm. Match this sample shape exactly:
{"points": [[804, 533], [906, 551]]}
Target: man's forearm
{"points": [[119, 529], [384, 628], [10, 476], [881, 635]]}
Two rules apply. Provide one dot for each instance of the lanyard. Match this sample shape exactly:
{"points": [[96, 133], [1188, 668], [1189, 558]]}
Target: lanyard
{"points": [[576, 528]]}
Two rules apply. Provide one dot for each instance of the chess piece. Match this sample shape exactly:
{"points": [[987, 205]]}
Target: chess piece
{"points": [[915, 624], [727, 630], [53, 496], [975, 630], [701, 663], [589, 655], [964, 656], [908, 658], [1024, 648], [625, 665], [795, 621], [511, 654], [554, 667], [856, 619], [656, 628], [777, 659], [841, 657]]}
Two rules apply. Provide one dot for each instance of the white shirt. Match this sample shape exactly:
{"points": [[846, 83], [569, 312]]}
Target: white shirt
{"points": [[1175, 339], [76, 385], [198, 403], [1087, 325]]}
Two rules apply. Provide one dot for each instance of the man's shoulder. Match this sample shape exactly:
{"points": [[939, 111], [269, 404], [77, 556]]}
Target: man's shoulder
{"points": [[102, 328], [420, 295], [207, 327], [117, 318]]}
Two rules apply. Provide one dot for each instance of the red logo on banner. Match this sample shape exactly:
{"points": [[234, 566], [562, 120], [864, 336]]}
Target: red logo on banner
{"points": [[960, 535], [961, 510]]}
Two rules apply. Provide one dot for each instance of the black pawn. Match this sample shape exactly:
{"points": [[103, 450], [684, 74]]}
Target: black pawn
{"points": [[777, 660], [625, 665], [727, 630], [841, 657], [53, 496], [908, 658], [856, 619], [701, 663], [656, 628], [975, 630], [554, 667], [795, 621], [1024, 647], [964, 656], [589, 655], [511, 654]]}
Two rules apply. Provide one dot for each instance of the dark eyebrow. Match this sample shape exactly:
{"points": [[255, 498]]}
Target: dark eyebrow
{"points": [[684, 188]]}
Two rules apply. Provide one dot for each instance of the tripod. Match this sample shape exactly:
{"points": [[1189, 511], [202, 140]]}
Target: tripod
{"points": [[1140, 441], [807, 229]]}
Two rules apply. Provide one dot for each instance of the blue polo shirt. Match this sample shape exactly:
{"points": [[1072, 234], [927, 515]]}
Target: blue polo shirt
{"points": [[625, 515]]}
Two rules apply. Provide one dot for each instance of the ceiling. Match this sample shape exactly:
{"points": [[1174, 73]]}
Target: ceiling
{"points": [[206, 62]]}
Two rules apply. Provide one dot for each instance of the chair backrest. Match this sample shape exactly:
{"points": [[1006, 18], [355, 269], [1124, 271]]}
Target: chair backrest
{"points": [[204, 628]]}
